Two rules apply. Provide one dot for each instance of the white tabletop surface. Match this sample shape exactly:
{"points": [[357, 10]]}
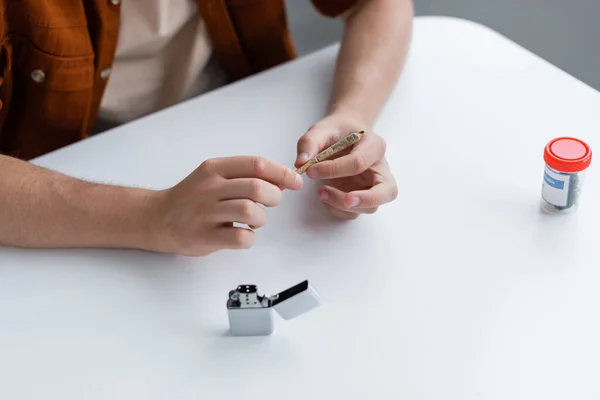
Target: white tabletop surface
{"points": [[461, 289]]}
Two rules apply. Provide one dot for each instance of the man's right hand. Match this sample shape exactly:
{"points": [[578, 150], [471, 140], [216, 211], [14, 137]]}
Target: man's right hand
{"points": [[196, 216]]}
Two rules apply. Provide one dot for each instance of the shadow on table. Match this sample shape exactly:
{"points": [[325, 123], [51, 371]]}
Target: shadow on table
{"points": [[228, 353]]}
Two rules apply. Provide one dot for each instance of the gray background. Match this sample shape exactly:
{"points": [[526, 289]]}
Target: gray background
{"points": [[564, 32]]}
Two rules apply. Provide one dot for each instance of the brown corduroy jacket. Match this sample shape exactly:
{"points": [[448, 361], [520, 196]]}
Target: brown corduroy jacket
{"points": [[56, 56]]}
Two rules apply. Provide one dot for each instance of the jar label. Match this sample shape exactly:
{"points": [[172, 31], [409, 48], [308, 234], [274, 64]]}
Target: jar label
{"points": [[555, 190]]}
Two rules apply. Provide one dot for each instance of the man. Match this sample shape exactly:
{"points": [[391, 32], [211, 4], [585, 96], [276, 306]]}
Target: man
{"points": [[71, 66]]}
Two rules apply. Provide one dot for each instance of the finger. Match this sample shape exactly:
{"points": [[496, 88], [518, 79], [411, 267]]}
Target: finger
{"points": [[240, 211], [364, 154], [314, 141], [378, 195], [343, 201], [233, 238], [341, 214], [254, 167], [253, 189]]}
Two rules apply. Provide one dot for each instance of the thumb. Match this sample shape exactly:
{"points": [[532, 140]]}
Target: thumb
{"points": [[312, 142]]}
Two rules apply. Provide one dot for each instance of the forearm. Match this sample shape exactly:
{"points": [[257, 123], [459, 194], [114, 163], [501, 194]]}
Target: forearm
{"points": [[43, 208], [373, 52]]}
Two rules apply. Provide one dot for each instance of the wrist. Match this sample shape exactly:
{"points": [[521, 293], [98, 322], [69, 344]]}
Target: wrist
{"points": [[107, 216], [127, 217], [150, 233], [351, 115]]}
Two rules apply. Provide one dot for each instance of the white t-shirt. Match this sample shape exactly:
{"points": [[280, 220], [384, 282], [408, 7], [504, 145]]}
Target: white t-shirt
{"points": [[163, 56]]}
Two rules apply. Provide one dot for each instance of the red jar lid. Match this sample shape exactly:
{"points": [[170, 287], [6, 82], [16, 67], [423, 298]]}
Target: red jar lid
{"points": [[566, 154]]}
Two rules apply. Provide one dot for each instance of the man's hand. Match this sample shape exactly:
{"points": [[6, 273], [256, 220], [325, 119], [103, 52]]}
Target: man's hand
{"points": [[197, 215], [46, 209], [371, 56], [359, 180]]}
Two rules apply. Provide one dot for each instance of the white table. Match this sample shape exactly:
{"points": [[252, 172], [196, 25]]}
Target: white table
{"points": [[461, 289]]}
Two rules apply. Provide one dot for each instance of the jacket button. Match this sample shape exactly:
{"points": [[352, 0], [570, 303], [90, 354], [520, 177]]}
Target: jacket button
{"points": [[38, 75], [105, 73], [115, 2]]}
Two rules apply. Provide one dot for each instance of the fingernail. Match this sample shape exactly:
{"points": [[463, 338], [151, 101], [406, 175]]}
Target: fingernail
{"points": [[355, 201], [312, 174], [302, 158], [298, 180], [323, 195]]}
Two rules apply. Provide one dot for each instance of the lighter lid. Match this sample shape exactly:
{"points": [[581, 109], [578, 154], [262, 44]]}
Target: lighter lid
{"points": [[296, 300]]}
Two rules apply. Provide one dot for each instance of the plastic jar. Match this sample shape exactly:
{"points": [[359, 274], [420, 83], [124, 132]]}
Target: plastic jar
{"points": [[566, 160]]}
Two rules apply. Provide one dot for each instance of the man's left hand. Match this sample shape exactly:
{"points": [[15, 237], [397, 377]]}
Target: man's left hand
{"points": [[358, 180]]}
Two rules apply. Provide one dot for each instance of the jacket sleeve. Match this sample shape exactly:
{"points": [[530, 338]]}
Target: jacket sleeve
{"points": [[334, 8]]}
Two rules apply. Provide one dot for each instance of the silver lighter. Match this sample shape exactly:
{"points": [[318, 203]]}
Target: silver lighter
{"points": [[251, 314]]}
